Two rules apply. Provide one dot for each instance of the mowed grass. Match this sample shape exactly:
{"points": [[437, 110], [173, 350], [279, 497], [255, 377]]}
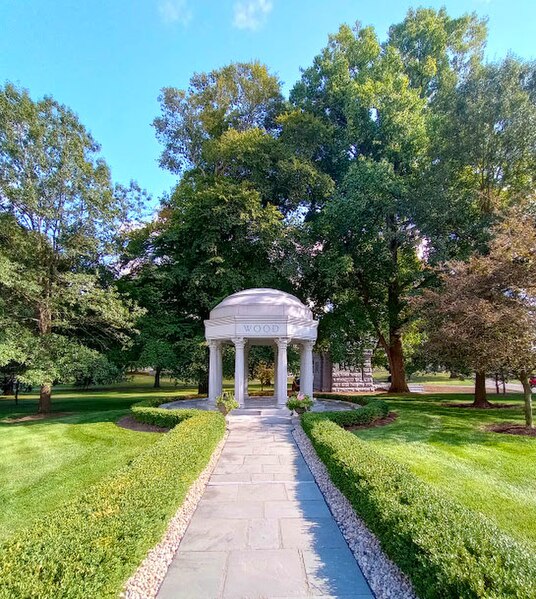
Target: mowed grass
{"points": [[447, 447], [45, 463]]}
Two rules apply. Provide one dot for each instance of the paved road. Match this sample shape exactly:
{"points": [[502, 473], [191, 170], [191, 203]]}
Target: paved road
{"points": [[262, 528]]}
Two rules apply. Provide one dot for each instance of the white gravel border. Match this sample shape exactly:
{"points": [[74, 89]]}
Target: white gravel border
{"points": [[146, 581], [384, 577]]}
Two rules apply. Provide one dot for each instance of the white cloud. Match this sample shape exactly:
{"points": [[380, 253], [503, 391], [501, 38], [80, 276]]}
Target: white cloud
{"points": [[174, 11], [251, 14]]}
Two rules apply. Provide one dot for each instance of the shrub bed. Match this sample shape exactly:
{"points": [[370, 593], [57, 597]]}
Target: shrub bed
{"points": [[362, 400], [448, 551], [92, 545], [365, 415]]}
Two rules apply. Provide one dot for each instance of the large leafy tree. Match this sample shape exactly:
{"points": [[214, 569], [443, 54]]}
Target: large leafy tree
{"points": [[213, 237], [59, 212], [409, 191], [483, 317]]}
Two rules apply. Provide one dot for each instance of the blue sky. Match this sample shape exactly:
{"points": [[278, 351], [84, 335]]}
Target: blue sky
{"points": [[107, 60]]}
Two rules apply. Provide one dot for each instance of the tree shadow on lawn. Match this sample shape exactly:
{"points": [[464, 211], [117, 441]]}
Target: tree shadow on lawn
{"points": [[62, 418], [425, 419]]}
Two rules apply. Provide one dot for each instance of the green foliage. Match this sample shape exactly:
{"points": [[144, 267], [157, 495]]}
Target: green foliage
{"points": [[226, 402], [59, 215], [373, 410], [446, 550], [90, 546], [362, 400], [299, 403], [239, 96]]}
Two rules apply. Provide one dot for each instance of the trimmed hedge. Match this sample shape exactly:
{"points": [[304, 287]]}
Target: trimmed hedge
{"points": [[448, 551], [362, 400], [90, 546], [365, 415]]}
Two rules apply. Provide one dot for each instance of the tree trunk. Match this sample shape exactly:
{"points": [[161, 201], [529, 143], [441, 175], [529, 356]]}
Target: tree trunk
{"points": [[527, 394], [481, 398], [202, 385], [45, 394], [8, 385], [497, 383], [395, 356], [157, 373]]}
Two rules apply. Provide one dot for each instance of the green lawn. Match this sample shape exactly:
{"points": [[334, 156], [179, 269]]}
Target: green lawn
{"points": [[45, 463], [489, 472], [428, 378]]}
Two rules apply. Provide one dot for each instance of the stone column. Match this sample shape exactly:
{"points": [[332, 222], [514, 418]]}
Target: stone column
{"points": [[213, 370], [239, 344], [282, 374], [219, 371], [275, 371], [302, 365], [246, 370], [306, 374]]}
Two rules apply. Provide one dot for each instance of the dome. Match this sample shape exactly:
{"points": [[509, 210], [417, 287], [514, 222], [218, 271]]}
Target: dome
{"points": [[261, 302]]}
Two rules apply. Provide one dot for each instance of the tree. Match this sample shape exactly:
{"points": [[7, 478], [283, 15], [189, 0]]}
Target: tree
{"points": [[239, 97], [59, 214], [408, 192], [368, 237], [484, 316], [213, 237]]}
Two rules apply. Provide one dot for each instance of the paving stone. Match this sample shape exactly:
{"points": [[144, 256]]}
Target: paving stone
{"points": [[221, 492], [262, 528], [294, 467], [239, 477], [262, 492], [334, 572], [194, 576], [311, 534], [255, 574], [261, 459], [302, 475], [262, 477], [238, 468], [264, 534], [229, 509], [296, 509], [215, 534], [302, 490]]}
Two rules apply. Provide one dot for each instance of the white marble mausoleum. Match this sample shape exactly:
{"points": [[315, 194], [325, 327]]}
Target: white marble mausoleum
{"points": [[260, 317]]}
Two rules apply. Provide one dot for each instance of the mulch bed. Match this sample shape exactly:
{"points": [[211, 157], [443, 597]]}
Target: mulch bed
{"points": [[511, 429], [130, 423], [34, 417], [492, 406], [391, 417]]}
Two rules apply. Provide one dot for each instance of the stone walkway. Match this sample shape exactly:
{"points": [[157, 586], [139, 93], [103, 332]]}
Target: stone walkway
{"points": [[262, 528]]}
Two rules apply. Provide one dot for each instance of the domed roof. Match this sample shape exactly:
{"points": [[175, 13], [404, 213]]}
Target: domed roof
{"points": [[261, 302]]}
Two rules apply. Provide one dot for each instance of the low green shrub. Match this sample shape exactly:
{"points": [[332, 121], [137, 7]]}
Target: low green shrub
{"points": [[362, 400], [448, 551], [92, 545], [365, 415]]}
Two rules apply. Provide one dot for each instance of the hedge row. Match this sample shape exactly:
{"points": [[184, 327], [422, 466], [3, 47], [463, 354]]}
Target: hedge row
{"points": [[90, 546], [448, 551], [365, 415], [362, 400]]}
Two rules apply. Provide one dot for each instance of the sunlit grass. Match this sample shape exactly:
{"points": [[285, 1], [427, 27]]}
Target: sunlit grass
{"points": [[448, 447]]}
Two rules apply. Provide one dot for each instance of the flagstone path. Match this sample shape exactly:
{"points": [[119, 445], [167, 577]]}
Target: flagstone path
{"points": [[262, 529]]}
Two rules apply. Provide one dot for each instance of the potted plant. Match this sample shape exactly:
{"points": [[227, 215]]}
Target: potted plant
{"points": [[299, 403], [226, 402]]}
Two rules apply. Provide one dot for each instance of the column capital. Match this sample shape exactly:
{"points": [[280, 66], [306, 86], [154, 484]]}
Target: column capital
{"points": [[308, 344], [213, 343], [282, 342], [239, 342]]}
